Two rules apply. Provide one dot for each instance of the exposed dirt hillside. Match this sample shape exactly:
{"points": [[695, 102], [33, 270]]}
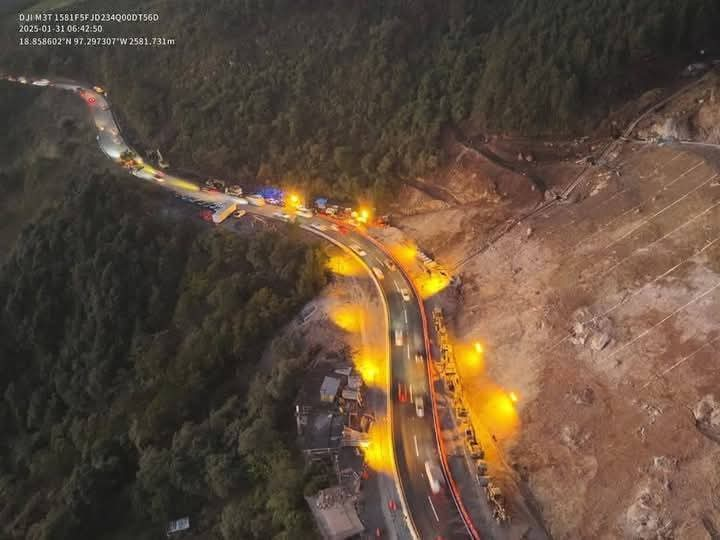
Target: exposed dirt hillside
{"points": [[470, 178], [602, 314], [693, 117]]}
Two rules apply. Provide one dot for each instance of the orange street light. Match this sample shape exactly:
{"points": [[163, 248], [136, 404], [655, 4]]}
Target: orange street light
{"points": [[293, 200]]}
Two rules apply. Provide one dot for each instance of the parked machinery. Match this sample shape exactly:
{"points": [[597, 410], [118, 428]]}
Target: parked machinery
{"points": [[497, 502]]}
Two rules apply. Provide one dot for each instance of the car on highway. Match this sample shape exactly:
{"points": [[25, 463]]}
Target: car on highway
{"points": [[160, 177], [398, 337], [318, 226], [99, 90], [357, 249], [304, 212], [239, 213], [335, 227], [22, 80], [419, 358], [41, 82], [419, 407], [402, 393], [405, 294], [256, 200], [282, 216], [390, 265], [378, 273], [434, 476]]}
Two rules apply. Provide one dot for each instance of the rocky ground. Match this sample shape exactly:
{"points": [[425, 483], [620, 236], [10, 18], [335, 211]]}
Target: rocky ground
{"points": [[604, 316], [694, 116]]}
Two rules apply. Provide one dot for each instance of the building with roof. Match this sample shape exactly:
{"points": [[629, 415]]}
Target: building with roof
{"points": [[335, 514]]}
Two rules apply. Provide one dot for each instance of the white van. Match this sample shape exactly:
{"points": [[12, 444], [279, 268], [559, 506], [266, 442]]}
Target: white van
{"points": [[434, 476]]}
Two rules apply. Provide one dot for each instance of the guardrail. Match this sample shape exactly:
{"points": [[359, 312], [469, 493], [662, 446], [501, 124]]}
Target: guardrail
{"points": [[455, 492], [398, 482]]}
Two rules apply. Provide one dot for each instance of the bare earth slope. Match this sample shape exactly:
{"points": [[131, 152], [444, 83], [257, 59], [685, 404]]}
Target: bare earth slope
{"points": [[606, 318]]}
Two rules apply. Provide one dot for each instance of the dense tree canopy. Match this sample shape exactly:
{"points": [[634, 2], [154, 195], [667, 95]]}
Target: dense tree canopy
{"points": [[349, 97], [129, 385]]}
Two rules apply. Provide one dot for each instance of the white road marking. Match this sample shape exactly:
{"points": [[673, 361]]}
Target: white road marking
{"points": [[405, 313], [417, 450], [433, 508], [396, 285], [411, 396]]}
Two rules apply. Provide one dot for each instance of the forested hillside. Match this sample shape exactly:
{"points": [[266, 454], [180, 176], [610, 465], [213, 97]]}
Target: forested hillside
{"points": [[43, 138], [129, 382], [351, 96]]}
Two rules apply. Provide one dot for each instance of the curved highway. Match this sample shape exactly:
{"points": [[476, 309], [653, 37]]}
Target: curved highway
{"points": [[432, 505]]}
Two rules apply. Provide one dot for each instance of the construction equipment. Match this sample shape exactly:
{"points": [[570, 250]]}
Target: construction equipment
{"points": [[161, 161], [474, 449], [224, 212], [497, 502]]}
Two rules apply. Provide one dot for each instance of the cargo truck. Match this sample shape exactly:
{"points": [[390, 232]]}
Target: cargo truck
{"points": [[224, 212]]}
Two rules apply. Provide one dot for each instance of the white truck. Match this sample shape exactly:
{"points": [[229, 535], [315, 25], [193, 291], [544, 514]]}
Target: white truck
{"points": [[224, 212], [434, 476], [398, 335]]}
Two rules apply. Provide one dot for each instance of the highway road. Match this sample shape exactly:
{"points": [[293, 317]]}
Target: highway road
{"points": [[433, 510]]}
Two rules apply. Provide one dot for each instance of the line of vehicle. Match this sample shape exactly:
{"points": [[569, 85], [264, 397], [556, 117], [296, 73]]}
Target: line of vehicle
{"points": [[405, 295], [398, 482], [467, 520]]}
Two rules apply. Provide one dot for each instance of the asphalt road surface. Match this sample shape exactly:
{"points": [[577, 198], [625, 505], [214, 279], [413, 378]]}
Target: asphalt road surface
{"points": [[432, 509]]}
